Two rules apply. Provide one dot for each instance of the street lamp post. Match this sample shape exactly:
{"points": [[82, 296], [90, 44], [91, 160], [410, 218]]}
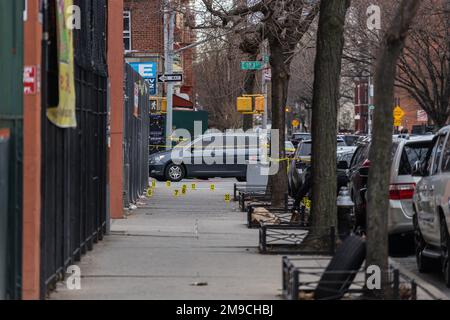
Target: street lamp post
{"points": [[169, 30]]}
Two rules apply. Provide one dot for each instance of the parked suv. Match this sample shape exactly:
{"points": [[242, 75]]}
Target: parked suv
{"points": [[405, 153], [432, 207], [208, 156]]}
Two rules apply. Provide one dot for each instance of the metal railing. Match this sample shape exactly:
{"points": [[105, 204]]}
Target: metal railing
{"points": [[136, 136]]}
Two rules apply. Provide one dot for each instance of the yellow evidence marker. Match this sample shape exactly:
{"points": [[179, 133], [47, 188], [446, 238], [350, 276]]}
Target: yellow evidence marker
{"points": [[168, 183], [213, 187], [193, 186], [176, 193], [154, 184], [149, 192], [227, 198]]}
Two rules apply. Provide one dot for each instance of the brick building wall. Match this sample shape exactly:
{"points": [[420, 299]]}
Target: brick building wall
{"points": [[147, 38], [407, 103], [410, 107]]}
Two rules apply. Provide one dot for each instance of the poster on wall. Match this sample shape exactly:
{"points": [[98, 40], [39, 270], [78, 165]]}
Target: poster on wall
{"points": [[63, 115]]}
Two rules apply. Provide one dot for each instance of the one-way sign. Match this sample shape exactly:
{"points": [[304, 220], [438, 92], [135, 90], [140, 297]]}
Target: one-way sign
{"points": [[162, 78]]}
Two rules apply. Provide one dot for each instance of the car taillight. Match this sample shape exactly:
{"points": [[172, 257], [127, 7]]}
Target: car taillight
{"points": [[366, 164], [402, 191]]}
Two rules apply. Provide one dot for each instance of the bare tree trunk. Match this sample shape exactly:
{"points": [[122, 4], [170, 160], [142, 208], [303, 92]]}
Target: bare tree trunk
{"points": [[280, 84], [330, 44], [380, 153]]}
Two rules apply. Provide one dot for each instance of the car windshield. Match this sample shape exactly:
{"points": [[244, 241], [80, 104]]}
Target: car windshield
{"points": [[350, 140], [412, 152], [347, 157], [304, 136], [304, 150]]}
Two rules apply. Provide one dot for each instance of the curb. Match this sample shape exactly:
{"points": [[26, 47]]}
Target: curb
{"points": [[431, 290]]}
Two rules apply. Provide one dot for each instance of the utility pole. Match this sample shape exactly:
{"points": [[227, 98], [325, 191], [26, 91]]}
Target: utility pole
{"points": [[264, 86], [169, 30]]}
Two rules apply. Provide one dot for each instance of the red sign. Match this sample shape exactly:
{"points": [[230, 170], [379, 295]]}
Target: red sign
{"points": [[29, 80]]}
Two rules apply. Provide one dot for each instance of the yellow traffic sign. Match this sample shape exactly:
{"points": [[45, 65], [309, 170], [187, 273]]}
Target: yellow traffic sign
{"points": [[295, 123], [398, 113]]}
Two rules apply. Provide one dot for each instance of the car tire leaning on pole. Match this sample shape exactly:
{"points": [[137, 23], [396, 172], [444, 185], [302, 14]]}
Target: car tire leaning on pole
{"points": [[175, 172], [342, 270]]}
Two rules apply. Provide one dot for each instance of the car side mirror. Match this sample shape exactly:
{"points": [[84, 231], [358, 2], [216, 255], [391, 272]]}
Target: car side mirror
{"points": [[417, 169], [342, 165]]}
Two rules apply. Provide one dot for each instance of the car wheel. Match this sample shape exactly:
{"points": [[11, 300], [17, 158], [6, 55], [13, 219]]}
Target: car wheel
{"points": [[175, 172], [424, 264], [445, 246], [342, 270]]}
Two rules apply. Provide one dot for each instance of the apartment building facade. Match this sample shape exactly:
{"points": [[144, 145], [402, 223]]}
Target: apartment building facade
{"points": [[144, 43]]}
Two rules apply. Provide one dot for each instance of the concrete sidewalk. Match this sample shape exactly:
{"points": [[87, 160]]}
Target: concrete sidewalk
{"points": [[191, 247], [170, 244]]}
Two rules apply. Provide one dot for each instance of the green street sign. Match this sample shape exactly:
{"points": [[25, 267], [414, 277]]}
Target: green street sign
{"points": [[251, 65]]}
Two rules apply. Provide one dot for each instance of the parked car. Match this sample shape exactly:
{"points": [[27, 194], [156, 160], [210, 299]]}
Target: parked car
{"points": [[300, 136], [290, 149], [349, 139], [208, 156], [346, 154], [303, 159], [432, 207], [405, 153]]}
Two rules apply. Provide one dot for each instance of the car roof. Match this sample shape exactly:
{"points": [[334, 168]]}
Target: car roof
{"points": [[444, 130], [424, 138]]}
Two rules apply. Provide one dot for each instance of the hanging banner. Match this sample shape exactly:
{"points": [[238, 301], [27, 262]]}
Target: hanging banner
{"points": [[64, 115]]}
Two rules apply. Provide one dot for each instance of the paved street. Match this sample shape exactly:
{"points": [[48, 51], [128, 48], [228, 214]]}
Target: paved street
{"points": [[434, 279], [170, 244]]}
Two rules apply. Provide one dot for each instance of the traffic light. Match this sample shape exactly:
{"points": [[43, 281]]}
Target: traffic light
{"points": [[245, 104], [259, 104], [163, 105]]}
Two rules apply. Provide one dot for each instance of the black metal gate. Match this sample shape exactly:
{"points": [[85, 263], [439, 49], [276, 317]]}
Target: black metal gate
{"points": [[136, 136], [74, 160]]}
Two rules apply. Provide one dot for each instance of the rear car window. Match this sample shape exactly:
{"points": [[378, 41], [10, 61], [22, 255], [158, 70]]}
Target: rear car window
{"points": [[412, 152]]}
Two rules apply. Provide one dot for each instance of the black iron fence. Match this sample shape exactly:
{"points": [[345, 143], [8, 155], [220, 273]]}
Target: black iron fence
{"points": [[136, 136], [74, 162]]}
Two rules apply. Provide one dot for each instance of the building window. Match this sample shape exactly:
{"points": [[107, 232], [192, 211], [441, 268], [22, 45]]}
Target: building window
{"points": [[127, 30]]}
